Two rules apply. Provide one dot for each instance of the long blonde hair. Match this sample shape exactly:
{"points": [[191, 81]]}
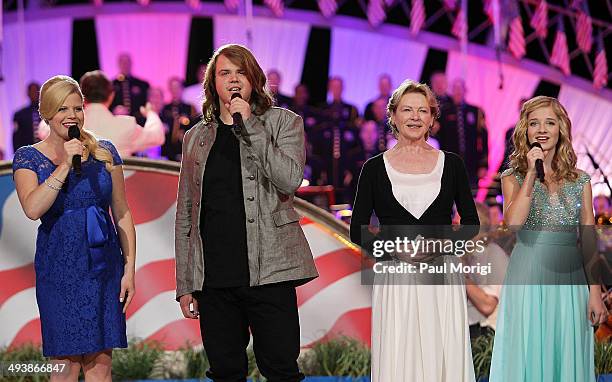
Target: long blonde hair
{"points": [[53, 93], [564, 160]]}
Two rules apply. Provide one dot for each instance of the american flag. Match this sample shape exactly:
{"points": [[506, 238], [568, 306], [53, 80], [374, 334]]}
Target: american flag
{"points": [[490, 9], [376, 12], [328, 7], [584, 26], [332, 304], [417, 16], [460, 25], [516, 34], [560, 55], [450, 4], [276, 6], [600, 72], [539, 20], [194, 4], [231, 5]]}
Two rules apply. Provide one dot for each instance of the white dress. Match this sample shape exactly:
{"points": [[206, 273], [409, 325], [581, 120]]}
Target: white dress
{"points": [[419, 332]]}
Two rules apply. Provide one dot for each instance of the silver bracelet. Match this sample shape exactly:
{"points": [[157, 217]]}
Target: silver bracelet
{"points": [[52, 186], [53, 176]]}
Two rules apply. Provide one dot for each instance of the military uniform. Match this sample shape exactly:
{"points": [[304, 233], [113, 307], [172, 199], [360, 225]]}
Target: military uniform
{"points": [[25, 123], [132, 93], [334, 136], [463, 131], [178, 118], [354, 160]]}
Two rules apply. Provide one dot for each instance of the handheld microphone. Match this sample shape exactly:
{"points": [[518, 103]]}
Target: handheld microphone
{"points": [[73, 132], [237, 117], [539, 164]]}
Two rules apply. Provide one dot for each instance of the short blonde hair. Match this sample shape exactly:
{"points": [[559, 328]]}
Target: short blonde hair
{"points": [[410, 86], [53, 93]]}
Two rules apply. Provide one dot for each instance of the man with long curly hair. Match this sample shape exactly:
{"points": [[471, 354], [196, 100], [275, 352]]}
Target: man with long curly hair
{"points": [[240, 251]]}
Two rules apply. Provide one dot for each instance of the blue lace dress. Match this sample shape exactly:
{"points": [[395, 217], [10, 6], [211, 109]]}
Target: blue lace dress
{"points": [[78, 261], [543, 333]]}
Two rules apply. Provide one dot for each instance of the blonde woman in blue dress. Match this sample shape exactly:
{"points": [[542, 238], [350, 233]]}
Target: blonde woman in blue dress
{"points": [[544, 330]]}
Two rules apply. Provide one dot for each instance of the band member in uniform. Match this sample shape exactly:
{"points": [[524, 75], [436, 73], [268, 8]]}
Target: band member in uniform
{"points": [[26, 120], [178, 117], [130, 92]]}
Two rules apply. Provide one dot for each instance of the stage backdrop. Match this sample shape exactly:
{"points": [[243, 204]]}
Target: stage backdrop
{"points": [[157, 44], [335, 303], [277, 44], [360, 57], [501, 106], [35, 52], [591, 118], [357, 53]]}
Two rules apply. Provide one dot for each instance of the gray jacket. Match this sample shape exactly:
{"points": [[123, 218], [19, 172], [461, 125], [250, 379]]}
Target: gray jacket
{"points": [[272, 156]]}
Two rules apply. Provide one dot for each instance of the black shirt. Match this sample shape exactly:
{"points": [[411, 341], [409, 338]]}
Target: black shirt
{"points": [[475, 154], [223, 217], [375, 194]]}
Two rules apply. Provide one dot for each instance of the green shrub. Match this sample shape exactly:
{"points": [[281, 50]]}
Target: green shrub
{"points": [[23, 353], [482, 351], [342, 356], [27, 352], [253, 370], [196, 363], [603, 357], [137, 361]]}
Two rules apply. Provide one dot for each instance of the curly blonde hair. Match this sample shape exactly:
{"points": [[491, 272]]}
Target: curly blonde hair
{"points": [[410, 86], [564, 160], [53, 93]]}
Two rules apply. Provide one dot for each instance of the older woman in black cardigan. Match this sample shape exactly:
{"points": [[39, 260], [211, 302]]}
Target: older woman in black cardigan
{"points": [[419, 330]]}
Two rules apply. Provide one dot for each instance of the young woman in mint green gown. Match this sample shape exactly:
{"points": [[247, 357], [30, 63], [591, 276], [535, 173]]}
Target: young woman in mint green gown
{"points": [[547, 307]]}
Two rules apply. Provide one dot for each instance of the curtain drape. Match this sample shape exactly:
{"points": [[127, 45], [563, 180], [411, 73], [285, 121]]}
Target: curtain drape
{"points": [[157, 44], [277, 44], [34, 51], [360, 57]]}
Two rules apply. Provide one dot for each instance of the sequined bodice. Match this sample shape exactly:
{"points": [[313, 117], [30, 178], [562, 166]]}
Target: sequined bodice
{"points": [[553, 211]]}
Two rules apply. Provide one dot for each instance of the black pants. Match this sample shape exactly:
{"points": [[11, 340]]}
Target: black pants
{"points": [[270, 311], [476, 331]]}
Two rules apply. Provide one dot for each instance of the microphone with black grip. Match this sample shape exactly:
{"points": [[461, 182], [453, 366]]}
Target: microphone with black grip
{"points": [[539, 164], [73, 132], [237, 117]]}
